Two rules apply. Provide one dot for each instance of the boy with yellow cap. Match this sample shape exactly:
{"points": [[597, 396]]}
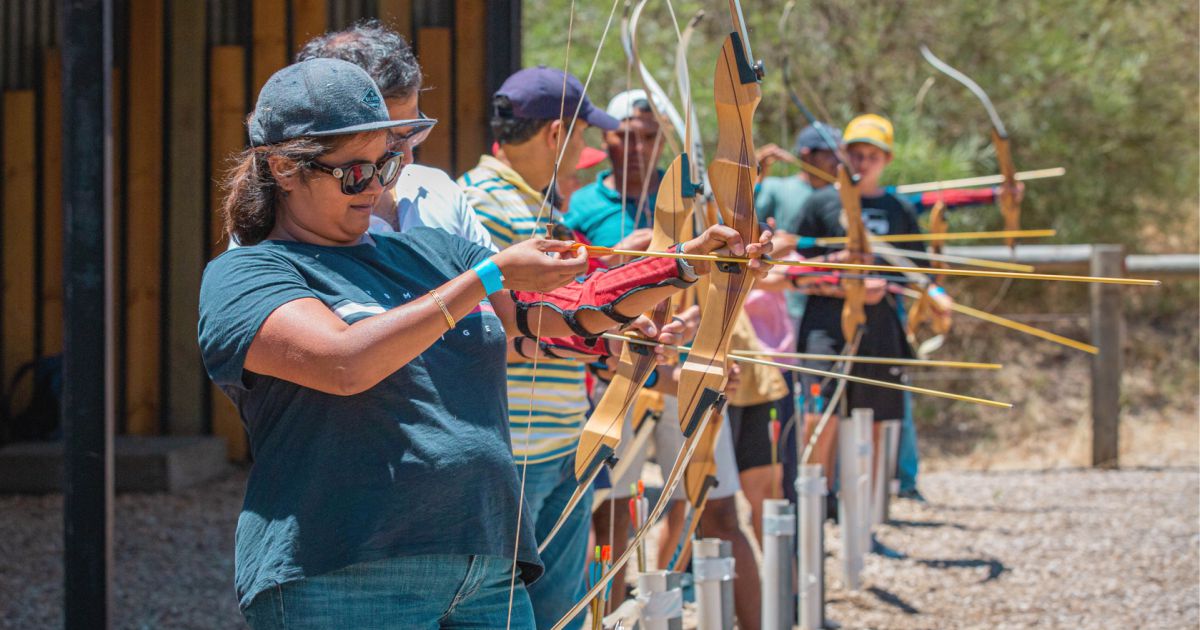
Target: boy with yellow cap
{"points": [[868, 145]]}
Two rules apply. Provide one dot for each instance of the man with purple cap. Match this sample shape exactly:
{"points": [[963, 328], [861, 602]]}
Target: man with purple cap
{"points": [[534, 121]]}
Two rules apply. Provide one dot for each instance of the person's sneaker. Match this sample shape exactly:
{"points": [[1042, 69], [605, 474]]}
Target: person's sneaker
{"points": [[912, 494]]}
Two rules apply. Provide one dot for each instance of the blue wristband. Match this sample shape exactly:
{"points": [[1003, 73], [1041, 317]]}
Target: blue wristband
{"points": [[489, 274], [935, 291]]}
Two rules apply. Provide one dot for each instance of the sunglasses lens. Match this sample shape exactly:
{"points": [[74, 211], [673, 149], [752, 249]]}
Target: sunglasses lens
{"points": [[357, 178]]}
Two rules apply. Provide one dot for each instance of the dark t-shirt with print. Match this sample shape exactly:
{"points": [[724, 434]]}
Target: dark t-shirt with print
{"points": [[421, 463], [821, 326]]}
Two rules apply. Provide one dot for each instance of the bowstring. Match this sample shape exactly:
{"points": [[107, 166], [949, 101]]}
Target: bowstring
{"points": [[512, 583], [561, 150]]}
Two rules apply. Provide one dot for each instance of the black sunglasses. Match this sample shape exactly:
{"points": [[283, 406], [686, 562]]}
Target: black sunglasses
{"points": [[357, 177]]}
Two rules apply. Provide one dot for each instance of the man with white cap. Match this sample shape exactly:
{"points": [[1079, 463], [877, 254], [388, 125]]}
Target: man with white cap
{"points": [[597, 210]]}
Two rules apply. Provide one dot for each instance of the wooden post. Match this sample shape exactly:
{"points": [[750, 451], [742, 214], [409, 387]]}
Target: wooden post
{"points": [[397, 14], [269, 32], [51, 212], [227, 110], [143, 227], [1108, 331], [18, 220], [186, 252], [309, 19], [472, 101], [436, 50]]}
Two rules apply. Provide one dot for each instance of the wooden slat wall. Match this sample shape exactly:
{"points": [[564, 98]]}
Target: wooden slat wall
{"points": [[176, 134], [471, 100], [269, 23], [435, 47], [17, 230], [51, 212], [398, 15], [227, 105], [144, 222], [186, 218], [309, 19]]}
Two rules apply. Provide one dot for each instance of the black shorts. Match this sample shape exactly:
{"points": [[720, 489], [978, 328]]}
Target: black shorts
{"points": [[751, 427], [888, 404]]}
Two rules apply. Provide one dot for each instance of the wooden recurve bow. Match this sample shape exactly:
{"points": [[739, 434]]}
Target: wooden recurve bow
{"points": [[1010, 207], [732, 174], [923, 309]]}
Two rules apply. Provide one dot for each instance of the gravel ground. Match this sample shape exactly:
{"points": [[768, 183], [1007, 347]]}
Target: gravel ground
{"points": [[174, 559], [1061, 549]]}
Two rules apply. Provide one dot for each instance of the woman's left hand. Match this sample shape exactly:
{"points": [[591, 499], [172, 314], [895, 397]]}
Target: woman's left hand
{"points": [[723, 240]]}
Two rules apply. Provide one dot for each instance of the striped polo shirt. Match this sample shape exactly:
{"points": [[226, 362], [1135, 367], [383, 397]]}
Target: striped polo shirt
{"points": [[546, 409]]}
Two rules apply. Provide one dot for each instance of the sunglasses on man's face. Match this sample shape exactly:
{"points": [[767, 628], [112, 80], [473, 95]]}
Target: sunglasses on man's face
{"points": [[418, 132], [356, 177]]}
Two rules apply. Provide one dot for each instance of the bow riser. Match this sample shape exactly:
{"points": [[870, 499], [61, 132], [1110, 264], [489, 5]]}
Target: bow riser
{"points": [[1010, 208], [854, 314], [731, 174]]}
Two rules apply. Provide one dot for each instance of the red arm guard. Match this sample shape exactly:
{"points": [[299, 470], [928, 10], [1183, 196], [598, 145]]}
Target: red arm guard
{"points": [[602, 290]]}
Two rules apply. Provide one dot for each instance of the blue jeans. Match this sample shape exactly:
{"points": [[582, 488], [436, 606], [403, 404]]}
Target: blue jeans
{"points": [[909, 459], [434, 591], [548, 487]]}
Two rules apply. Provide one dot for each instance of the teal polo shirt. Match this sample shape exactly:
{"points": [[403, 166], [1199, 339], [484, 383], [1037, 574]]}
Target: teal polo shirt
{"points": [[782, 198], [596, 212]]}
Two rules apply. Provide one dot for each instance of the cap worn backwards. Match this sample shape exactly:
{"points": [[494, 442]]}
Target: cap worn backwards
{"points": [[318, 97]]}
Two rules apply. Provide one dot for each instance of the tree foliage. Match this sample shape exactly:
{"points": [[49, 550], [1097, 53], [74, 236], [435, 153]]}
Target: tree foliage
{"points": [[1107, 89]]}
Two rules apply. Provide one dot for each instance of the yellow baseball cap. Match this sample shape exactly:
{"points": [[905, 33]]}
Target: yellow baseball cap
{"points": [[871, 129]]}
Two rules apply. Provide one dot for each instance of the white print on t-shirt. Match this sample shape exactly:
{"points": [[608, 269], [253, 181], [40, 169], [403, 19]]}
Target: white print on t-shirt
{"points": [[876, 220]]}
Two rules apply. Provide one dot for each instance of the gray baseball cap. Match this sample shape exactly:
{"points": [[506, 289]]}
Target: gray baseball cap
{"points": [[813, 137], [318, 97]]}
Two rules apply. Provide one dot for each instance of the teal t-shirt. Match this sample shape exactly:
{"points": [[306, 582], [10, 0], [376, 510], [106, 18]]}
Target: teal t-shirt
{"points": [[782, 198], [421, 463], [596, 212]]}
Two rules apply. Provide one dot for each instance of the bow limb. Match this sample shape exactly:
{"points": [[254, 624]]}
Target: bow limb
{"points": [[732, 175], [924, 307], [705, 213], [660, 103], [1010, 207], [670, 483]]}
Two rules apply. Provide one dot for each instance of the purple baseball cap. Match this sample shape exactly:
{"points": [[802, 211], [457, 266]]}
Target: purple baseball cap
{"points": [[538, 94]]}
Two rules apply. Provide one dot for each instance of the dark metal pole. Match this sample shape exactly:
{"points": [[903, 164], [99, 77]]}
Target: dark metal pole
{"points": [[87, 416]]}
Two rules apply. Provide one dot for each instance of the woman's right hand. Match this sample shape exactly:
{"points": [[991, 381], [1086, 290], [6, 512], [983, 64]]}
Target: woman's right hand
{"points": [[540, 264]]}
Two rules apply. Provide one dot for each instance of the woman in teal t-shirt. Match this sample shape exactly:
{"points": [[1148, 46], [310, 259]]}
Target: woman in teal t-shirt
{"points": [[369, 371]]}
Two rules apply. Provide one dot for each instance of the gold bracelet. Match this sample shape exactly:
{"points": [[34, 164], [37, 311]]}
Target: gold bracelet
{"points": [[445, 311]]}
